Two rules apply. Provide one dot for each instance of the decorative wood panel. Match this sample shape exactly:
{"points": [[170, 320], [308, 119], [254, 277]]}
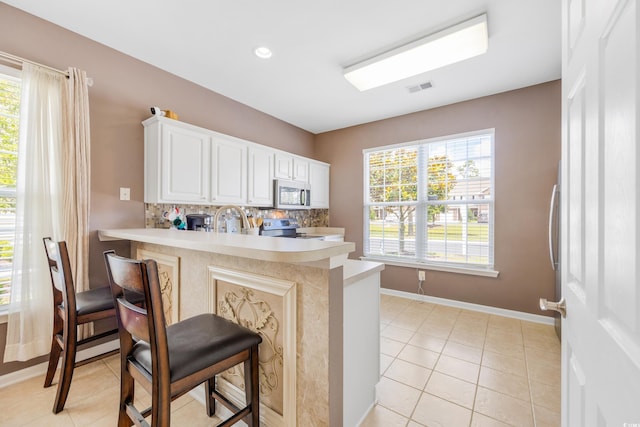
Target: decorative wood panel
{"points": [[268, 307]]}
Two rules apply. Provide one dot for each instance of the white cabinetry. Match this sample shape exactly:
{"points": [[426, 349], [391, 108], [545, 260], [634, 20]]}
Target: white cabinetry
{"points": [[229, 171], [188, 164], [176, 164], [291, 167], [319, 185], [260, 176]]}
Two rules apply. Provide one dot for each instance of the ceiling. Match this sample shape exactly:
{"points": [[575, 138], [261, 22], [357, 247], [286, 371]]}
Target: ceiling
{"points": [[211, 43]]}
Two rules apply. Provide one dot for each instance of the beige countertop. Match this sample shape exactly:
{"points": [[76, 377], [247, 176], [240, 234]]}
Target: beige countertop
{"points": [[264, 248]]}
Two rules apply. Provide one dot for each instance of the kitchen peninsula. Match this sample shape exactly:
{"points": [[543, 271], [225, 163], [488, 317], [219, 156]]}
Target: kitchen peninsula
{"points": [[318, 313]]}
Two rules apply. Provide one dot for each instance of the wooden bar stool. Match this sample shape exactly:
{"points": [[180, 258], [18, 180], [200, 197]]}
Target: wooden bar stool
{"points": [[168, 361], [71, 309]]}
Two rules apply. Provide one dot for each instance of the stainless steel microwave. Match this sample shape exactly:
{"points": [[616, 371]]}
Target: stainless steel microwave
{"points": [[291, 194]]}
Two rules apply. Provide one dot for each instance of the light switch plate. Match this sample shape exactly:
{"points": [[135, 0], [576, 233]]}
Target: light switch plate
{"points": [[125, 193]]}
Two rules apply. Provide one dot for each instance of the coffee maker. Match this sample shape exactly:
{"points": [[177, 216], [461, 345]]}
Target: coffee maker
{"points": [[199, 222]]}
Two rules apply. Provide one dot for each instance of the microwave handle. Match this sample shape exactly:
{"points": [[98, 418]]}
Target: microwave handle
{"points": [[303, 197]]}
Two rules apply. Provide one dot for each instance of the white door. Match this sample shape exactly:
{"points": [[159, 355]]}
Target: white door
{"points": [[601, 213]]}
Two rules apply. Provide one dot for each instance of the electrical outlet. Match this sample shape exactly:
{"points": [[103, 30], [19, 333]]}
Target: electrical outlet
{"points": [[125, 193], [421, 275]]}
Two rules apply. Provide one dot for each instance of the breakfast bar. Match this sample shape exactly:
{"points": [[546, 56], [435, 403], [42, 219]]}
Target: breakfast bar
{"points": [[317, 311]]}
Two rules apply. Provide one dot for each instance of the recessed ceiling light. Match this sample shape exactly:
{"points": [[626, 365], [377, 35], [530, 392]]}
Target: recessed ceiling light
{"points": [[263, 52]]}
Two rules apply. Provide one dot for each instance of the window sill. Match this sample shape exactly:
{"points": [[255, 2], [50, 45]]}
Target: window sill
{"points": [[474, 271]]}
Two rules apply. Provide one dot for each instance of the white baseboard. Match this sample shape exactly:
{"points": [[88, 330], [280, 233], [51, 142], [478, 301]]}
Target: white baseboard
{"points": [[41, 368], [529, 317]]}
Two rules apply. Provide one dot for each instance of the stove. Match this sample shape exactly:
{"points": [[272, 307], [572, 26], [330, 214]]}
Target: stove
{"points": [[284, 227]]}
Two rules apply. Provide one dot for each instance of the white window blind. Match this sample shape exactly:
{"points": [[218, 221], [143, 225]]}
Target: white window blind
{"points": [[431, 201], [9, 122]]}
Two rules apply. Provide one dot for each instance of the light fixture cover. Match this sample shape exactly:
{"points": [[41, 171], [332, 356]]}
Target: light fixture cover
{"points": [[457, 43]]}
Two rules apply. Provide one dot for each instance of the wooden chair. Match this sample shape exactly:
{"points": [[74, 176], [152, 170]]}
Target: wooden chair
{"points": [[168, 361], [71, 309]]}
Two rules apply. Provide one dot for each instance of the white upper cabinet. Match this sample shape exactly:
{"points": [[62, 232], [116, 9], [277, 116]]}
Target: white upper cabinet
{"points": [[291, 167], [176, 164], [319, 185], [189, 164], [260, 176], [228, 171]]}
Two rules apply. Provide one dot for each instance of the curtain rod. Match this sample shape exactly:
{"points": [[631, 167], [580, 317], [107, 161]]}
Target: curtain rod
{"points": [[14, 59], [18, 61]]}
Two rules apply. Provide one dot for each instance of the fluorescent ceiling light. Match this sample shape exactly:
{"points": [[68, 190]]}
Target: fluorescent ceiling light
{"points": [[454, 44]]}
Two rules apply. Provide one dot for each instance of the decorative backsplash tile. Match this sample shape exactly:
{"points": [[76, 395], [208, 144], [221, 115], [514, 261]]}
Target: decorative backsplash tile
{"points": [[305, 218]]}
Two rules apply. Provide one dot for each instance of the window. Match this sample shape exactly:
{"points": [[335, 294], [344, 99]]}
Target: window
{"points": [[9, 121], [431, 202]]}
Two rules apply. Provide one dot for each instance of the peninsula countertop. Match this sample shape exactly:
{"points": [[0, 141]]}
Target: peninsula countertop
{"points": [[275, 249]]}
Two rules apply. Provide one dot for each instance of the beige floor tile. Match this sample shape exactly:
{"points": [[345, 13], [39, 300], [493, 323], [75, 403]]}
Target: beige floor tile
{"points": [[89, 378], [512, 385], [461, 369], [466, 337], [428, 342], [443, 311], [411, 320], [505, 323], [479, 420], [397, 397], [437, 330], [390, 347], [510, 365], [476, 316], [98, 404], [421, 307], [536, 355], [545, 395], [502, 337], [503, 408], [471, 324], [419, 356], [414, 424], [452, 389], [546, 418], [408, 373], [17, 410], [462, 351], [192, 414], [397, 333], [385, 362], [544, 371], [383, 417], [505, 348], [61, 419], [433, 411]]}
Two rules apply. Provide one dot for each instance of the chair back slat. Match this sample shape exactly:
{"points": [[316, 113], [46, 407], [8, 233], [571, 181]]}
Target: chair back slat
{"points": [[134, 319], [60, 271]]}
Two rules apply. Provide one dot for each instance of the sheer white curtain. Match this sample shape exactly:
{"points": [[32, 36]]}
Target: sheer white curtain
{"points": [[52, 200]]}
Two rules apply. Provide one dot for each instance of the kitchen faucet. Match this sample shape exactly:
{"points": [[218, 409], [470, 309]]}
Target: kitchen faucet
{"points": [[245, 220]]}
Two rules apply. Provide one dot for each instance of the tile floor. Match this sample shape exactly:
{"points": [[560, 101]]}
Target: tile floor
{"points": [[441, 366], [445, 366]]}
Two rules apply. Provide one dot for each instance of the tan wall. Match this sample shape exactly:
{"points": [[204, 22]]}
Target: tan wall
{"points": [[527, 151], [124, 89]]}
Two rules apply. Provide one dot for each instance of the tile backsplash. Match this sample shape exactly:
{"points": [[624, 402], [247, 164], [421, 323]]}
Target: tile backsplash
{"points": [[306, 218]]}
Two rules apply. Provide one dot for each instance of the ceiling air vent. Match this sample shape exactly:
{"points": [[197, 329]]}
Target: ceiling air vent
{"points": [[418, 88]]}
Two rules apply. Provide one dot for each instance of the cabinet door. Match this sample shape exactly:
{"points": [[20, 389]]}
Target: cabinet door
{"points": [[284, 166], [300, 170], [260, 177], [229, 171], [319, 185], [184, 165]]}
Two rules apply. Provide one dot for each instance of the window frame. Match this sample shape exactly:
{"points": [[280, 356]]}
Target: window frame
{"points": [[14, 73], [420, 260]]}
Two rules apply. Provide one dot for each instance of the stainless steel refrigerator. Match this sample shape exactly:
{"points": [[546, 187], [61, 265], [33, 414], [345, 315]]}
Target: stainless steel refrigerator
{"points": [[554, 244]]}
